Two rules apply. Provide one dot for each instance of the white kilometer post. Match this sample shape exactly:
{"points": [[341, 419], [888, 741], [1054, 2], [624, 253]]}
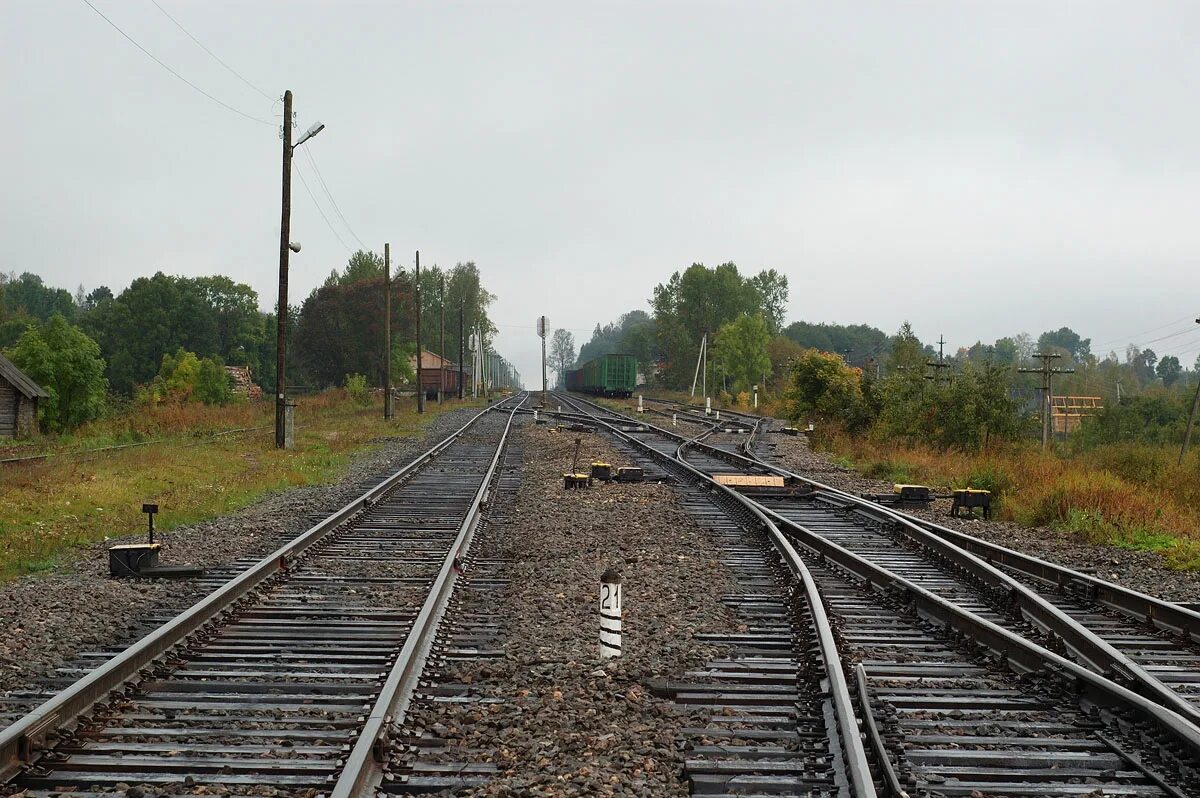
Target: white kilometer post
{"points": [[610, 614]]}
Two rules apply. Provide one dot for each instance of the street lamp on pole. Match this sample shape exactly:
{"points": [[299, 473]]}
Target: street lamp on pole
{"points": [[286, 246]]}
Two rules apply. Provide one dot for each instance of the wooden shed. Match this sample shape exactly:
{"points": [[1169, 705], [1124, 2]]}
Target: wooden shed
{"points": [[19, 396]]}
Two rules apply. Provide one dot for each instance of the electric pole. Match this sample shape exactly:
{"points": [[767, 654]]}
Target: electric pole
{"points": [[1047, 374], [388, 411], [285, 232], [541, 328], [1187, 435], [460, 349], [442, 345], [940, 364], [420, 384]]}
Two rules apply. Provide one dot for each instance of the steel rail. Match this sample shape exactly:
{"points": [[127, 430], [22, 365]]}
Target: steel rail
{"points": [[1167, 616], [1095, 652], [1103, 657], [18, 742], [363, 770], [857, 767]]}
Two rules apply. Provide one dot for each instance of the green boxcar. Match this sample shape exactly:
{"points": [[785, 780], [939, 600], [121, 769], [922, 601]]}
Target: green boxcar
{"points": [[610, 375]]}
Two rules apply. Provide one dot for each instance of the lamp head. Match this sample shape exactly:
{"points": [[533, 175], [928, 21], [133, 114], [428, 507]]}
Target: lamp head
{"points": [[294, 246]]}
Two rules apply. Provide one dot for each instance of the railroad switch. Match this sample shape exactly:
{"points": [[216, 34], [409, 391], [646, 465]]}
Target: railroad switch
{"points": [[630, 474], [602, 471], [970, 498], [576, 481], [140, 560]]}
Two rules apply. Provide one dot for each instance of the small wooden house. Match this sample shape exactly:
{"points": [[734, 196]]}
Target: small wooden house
{"points": [[19, 396]]}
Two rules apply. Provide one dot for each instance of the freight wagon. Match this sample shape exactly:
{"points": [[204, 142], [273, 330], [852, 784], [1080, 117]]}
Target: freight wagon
{"points": [[608, 375]]}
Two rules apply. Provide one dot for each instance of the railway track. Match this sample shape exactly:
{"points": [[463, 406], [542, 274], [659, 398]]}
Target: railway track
{"points": [[970, 681], [292, 674]]}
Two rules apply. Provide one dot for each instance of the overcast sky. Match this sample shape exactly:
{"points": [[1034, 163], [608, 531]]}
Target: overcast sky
{"points": [[980, 169]]}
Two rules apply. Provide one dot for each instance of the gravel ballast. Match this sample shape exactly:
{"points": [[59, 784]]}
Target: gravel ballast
{"points": [[48, 618], [1144, 571], [567, 723]]}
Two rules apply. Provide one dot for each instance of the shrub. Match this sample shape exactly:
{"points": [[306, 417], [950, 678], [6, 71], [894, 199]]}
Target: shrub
{"points": [[356, 386], [990, 476]]}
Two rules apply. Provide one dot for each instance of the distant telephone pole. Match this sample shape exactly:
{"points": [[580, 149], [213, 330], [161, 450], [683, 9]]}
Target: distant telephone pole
{"points": [[1187, 435], [417, 293], [460, 349], [1047, 374], [388, 411], [940, 364], [442, 345]]}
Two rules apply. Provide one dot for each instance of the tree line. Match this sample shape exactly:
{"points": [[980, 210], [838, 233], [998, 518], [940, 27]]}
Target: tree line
{"points": [[169, 337], [862, 379]]}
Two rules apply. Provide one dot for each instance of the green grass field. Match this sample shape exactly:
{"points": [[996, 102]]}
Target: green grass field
{"points": [[50, 507]]}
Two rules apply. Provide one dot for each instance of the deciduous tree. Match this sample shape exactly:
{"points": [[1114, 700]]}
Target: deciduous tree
{"points": [[66, 362]]}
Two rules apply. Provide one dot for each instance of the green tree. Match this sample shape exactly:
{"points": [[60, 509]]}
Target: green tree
{"points": [[699, 301], [771, 290], [1169, 370], [28, 295], [740, 351], [66, 362], [1066, 339], [823, 389], [184, 377], [562, 353]]}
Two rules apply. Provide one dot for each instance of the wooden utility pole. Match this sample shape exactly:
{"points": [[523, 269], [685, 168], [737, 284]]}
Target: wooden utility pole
{"points": [[483, 375], [941, 363], [417, 293], [460, 349], [1047, 374], [388, 410], [1187, 435], [542, 332], [442, 345], [285, 232]]}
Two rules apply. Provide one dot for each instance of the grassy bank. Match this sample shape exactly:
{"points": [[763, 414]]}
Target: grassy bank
{"points": [[48, 507], [1128, 495]]}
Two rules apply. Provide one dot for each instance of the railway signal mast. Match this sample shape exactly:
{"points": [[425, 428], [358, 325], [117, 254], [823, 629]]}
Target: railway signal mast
{"points": [[541, 331]]}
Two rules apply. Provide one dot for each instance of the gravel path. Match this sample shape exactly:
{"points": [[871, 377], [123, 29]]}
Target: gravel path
{"points": [[567, 724], [1140, 570], [47, 618]]}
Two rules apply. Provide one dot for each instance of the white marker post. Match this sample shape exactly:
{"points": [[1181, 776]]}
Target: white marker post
{"points": [[718, 415], [708, 406], [640, 410], [674, 419], [535, 417], [610, 614], [755, 397]]}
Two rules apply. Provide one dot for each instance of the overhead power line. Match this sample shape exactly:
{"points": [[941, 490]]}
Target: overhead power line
{"points": [[156, 60], [216, 58], [318, 206], [1127, 338], [332, 201]]}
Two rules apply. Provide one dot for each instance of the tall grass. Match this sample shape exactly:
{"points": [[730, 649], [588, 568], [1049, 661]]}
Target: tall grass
{"points": [[1130, 495], [48, 507]]}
